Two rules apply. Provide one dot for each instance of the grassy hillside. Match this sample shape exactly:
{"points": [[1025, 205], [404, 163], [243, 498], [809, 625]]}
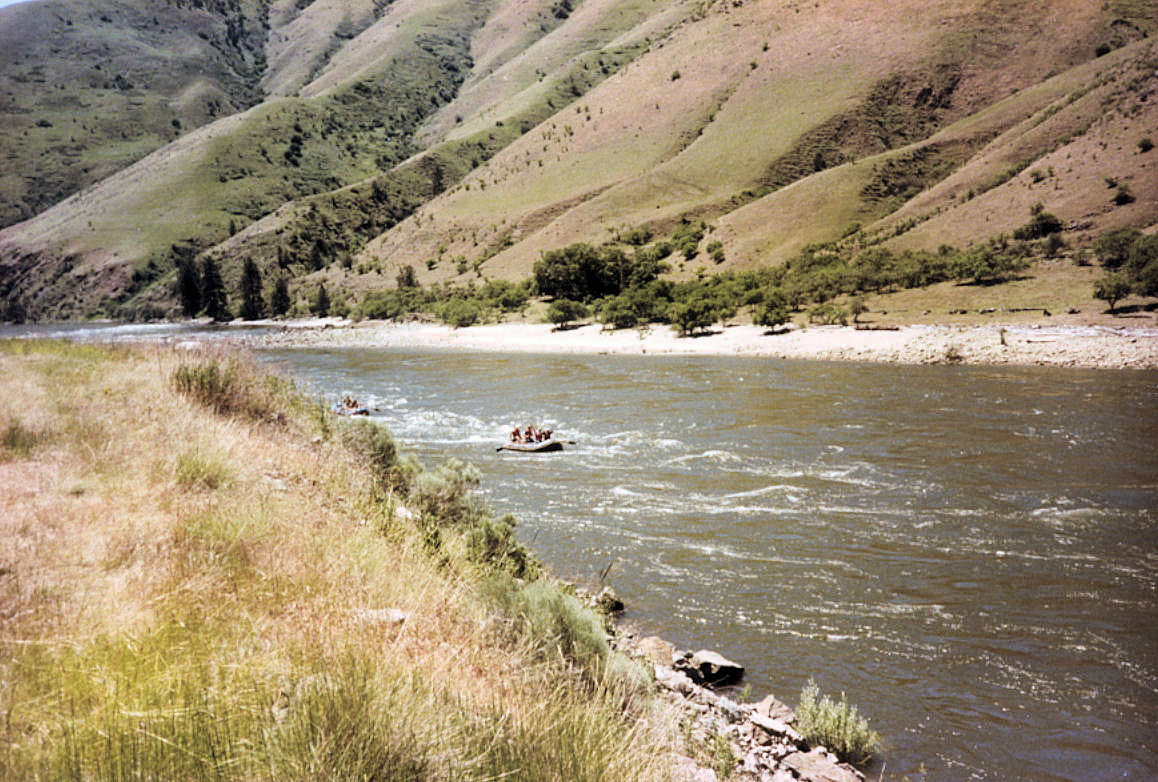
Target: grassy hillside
{"points": [[276, 597], [464, 139]]}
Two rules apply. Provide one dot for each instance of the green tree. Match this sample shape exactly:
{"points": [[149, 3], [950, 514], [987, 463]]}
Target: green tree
{"points": [[213, 298], [320, 304], [279, 298], [252, 307], [188, 287], [406, 277], [773, 311], [1112, 288], [1113, 247], [563, 311], [857, 307]]}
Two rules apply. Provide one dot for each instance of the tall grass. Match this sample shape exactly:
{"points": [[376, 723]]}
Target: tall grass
{"points": [[200, 612], [837, 726]]}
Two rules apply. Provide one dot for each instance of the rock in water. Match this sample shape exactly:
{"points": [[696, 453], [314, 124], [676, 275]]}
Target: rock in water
{"points": [[710, 668]]}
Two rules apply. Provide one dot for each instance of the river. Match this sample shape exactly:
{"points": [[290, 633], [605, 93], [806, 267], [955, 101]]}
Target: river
{"points": [[969, 553]]}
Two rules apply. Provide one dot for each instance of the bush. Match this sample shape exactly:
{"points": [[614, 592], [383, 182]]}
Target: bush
{"points": [[837, 726], [1112, 288], [1041, 225], [461, 312], [1145, 144], [1123, 195], [375, 447]]}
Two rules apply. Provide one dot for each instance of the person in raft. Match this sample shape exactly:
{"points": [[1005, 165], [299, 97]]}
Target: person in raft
{"points": [[531, 434]]}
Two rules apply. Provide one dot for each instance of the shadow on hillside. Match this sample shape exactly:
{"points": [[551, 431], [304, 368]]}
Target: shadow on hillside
{"points": [[699, 334], [989, 283]]}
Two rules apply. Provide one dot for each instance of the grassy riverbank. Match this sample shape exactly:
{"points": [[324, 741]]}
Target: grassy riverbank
{"points": [[203, 576]]}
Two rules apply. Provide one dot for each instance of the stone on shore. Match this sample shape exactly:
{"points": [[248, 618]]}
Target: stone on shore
{"points": [[710, 668], [817, 766], [777, 710], [657, 650]]}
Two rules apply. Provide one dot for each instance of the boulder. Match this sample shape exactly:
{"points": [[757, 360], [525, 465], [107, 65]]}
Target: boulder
{"points": [[770, 707], [775, 727], [816, 766], [657, 650], [710, 668], [674, 680]]}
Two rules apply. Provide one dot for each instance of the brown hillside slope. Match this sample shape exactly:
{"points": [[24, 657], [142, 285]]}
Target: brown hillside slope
{"points": [[525, 126], [742, 100]]}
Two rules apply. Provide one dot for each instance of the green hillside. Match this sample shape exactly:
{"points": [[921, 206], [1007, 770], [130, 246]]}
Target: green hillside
{"points": [[344, 142]]}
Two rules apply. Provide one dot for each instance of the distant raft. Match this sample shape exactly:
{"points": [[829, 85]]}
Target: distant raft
{"points": [[546, 446], [341, 409]]}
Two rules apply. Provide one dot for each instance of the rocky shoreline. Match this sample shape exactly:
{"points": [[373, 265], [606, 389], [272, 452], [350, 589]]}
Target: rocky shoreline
{"points": [[763, 743], [762, 740], [1091, 347]]}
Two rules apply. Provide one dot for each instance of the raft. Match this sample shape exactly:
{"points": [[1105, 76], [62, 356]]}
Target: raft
{"points": [[341, 409], [547, 446]]}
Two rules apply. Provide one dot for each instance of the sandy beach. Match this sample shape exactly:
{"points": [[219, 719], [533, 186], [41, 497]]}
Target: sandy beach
{"points": [[1062, 346]]}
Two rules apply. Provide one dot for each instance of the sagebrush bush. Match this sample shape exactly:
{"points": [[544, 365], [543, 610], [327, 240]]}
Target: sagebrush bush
{"points": [[375, 447], [837, 726]]}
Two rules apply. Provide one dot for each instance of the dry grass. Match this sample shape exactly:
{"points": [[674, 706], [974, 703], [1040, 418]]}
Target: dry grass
{"points": [[185, 593]]}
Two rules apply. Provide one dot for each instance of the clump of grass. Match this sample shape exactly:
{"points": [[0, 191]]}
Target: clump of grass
{"points": [[20, 441], [235, 387], [198, 470], [837, 726]]}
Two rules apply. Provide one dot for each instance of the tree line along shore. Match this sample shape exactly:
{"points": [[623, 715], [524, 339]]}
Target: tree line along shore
{"points": [[636, 279], [206, 575]]}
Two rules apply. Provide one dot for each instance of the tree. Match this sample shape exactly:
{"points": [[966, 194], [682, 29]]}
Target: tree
{"points": [[1113, 248], [563, 311], [252, 307], [188, 287], [856, 308], [320, 304], [213, 298], [406, 277], [773, 311], [1112, 288], [279, 298]]}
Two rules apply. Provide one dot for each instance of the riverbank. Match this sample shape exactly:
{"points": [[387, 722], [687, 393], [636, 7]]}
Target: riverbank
{"points": [[203, 575], [1097, 347], [208, 576]]}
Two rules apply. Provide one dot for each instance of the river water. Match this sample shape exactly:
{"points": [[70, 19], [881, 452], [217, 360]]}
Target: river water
{"points": [[970, 554]]}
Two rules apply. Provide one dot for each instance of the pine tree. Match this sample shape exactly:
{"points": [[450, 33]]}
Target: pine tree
{"points": [[188, 287], [213, 297], [279, 299], [252, 307]]}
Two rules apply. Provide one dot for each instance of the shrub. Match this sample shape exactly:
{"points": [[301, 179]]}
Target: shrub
{"points": [[837, 726], [375, 447], [1041, 225], [491, 542], [461, 312], [1123, 195], [561, 624], [1145, 144], [20, 440]]}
